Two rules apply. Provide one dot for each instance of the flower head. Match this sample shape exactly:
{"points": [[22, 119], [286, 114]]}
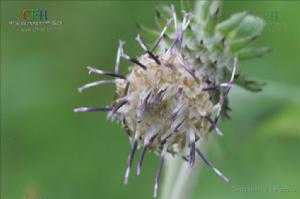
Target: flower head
{"points": [[177, 89]]}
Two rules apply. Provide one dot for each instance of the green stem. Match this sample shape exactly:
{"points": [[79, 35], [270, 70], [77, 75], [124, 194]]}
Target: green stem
{"points": [[180, 180], [172, 166]]}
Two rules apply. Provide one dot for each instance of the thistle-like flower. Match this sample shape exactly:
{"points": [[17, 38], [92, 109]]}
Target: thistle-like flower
{"points": [[176, 91]]}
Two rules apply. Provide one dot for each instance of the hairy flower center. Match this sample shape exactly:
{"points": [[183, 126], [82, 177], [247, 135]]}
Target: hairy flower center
{"points": [[164, 101]]}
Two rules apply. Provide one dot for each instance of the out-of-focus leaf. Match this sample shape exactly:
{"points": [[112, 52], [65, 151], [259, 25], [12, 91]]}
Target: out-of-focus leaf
{"points": [[162, 13], [237, 44], [163, 10], [249, 53], [226, 109], [249, 84], [148, 35], [230, 24], [251, 26], [186, 5], [202, 10]]}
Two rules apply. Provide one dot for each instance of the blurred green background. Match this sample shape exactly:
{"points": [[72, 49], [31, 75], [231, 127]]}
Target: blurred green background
{"points": [[47, 151]]}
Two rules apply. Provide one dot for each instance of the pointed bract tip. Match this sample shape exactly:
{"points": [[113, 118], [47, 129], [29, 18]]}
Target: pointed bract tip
{"points": [[80, 109], [90, 69], [191, 164], [92, 109], [75, 110], [221, 174], [219, 132], [126, 175], [155, 190], [138, 170]]}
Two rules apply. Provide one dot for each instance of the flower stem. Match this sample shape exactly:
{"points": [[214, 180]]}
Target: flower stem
{"points": [[180, 179], [172, 166]]}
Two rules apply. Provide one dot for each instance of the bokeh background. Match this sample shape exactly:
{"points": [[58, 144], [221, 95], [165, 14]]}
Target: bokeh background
{"points": [[47, 151]]}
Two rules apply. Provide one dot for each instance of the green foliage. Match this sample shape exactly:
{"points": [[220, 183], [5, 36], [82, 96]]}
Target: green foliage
{"points": [[249, 53], [246, 83], [231, 24], [215, 43]]}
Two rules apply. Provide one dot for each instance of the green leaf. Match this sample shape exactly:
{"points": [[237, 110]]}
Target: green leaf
{"points": [[202, 10], [147, 34], [162, 13], [186, 5], [226, 109], [251, 26], [238, 44], [210, 25], [230, 24], [249, 84], [249, 53]]}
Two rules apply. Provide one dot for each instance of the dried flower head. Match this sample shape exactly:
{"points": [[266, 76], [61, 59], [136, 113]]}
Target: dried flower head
{"points": [[177, 89]]}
